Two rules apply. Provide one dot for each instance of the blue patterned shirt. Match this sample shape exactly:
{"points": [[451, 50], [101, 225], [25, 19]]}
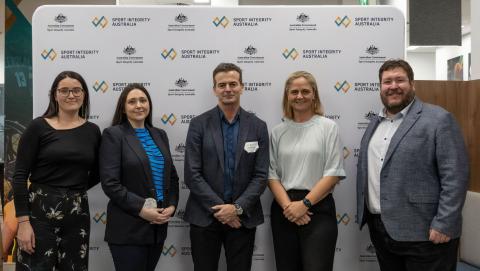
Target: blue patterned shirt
{"points": [[155, 156]]}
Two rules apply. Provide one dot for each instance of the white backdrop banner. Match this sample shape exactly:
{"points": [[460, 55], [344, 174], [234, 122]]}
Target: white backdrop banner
{"points": [[173, 51]]}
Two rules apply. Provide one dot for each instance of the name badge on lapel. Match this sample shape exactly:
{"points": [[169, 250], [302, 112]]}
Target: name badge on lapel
{"points": [[251, 147]]}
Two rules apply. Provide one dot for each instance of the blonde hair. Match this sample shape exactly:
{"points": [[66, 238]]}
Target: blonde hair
{"points": [[317, 105]]}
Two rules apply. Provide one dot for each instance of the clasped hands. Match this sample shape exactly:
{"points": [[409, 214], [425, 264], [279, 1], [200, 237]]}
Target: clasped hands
{"points": [[157, 215], [297, 212], [226, 214]]}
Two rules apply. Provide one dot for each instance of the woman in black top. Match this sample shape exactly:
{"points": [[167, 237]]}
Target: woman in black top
{"points": [[58, 152]]}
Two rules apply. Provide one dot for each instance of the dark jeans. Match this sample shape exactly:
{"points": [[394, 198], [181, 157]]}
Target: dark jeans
{"points": [[207, 242], [135, 258], [308, 247], [410, 256], [61, 223]]}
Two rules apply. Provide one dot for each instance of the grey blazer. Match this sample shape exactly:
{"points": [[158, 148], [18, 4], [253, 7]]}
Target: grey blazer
{"points": [[204, 168], [424, 178]]}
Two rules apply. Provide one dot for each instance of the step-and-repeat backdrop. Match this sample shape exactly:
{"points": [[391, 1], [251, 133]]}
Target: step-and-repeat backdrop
{"points": [[173, 50]]}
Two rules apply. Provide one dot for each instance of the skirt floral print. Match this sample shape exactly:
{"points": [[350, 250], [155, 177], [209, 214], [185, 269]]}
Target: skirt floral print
{"points": [[61, 223]]}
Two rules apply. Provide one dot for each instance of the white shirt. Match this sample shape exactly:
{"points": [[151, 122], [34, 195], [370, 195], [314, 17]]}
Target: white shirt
{"points": [[377, 149], [303, 153]]}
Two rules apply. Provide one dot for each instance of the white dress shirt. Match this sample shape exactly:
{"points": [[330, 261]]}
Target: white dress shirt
{"points": [[377, 149]]}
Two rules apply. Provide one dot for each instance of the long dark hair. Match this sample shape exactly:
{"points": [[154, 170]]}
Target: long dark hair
{"points": [[120, 117], [52, 109]]}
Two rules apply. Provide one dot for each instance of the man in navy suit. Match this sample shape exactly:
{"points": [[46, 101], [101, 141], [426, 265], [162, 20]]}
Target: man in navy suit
{"points": [[226, 168], [412, 177]]}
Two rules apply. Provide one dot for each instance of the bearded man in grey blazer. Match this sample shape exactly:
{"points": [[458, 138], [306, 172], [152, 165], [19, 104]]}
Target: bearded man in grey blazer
{"points": [[226, 168], [412, 178]]}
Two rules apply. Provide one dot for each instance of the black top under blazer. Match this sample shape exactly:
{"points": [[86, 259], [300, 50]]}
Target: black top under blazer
{"points": [[127, 180]]}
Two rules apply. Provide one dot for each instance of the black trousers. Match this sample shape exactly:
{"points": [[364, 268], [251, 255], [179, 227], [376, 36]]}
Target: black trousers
{"points": [[135, 258], [395, 255], [207, 243], [61, 223], [309, 247]]}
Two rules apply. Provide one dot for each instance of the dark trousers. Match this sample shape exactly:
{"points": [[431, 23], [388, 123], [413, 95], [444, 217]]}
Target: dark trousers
{"points": [[135, 258], [61, 223], [207, 242], [309, 247], [410, 256]]}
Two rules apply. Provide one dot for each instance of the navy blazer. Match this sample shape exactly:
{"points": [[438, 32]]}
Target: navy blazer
{"points": [[424, 177], [204, 168], [127, 180]]}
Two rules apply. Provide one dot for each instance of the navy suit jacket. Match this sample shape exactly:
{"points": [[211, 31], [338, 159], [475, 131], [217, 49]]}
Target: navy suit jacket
{"points": [[204, 168], [127, 180], [424, 177]]}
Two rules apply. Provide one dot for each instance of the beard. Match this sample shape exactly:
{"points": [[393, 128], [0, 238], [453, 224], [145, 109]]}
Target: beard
{"points": [[394, 108]]}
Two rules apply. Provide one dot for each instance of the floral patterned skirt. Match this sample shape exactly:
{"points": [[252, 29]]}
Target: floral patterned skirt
{"points": [[61, 223]]}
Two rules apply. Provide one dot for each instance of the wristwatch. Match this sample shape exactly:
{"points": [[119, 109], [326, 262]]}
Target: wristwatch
{"points": [[238, 209], [307, 203]]}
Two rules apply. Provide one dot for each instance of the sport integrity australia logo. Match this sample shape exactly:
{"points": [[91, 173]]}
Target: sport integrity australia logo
{"points": [[172, 119], [100, 86], [342, 86], [303, 23], [60, 24], [240, 22], [345, 86], [181, 24], [189, 53], [221, 21], [69, 54], [372, 54], [290, 53], [169, 54], [343, 218], [100, 218], [49, 54], [100, 22], [363, 21], [169, 119], [129, 56], [169, 250], [181, 88], [343, 21], [310, 54], [250, 56]]}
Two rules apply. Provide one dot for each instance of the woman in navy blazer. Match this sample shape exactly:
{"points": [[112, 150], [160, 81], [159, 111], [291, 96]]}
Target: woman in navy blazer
{"points": [[138, 175]]}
